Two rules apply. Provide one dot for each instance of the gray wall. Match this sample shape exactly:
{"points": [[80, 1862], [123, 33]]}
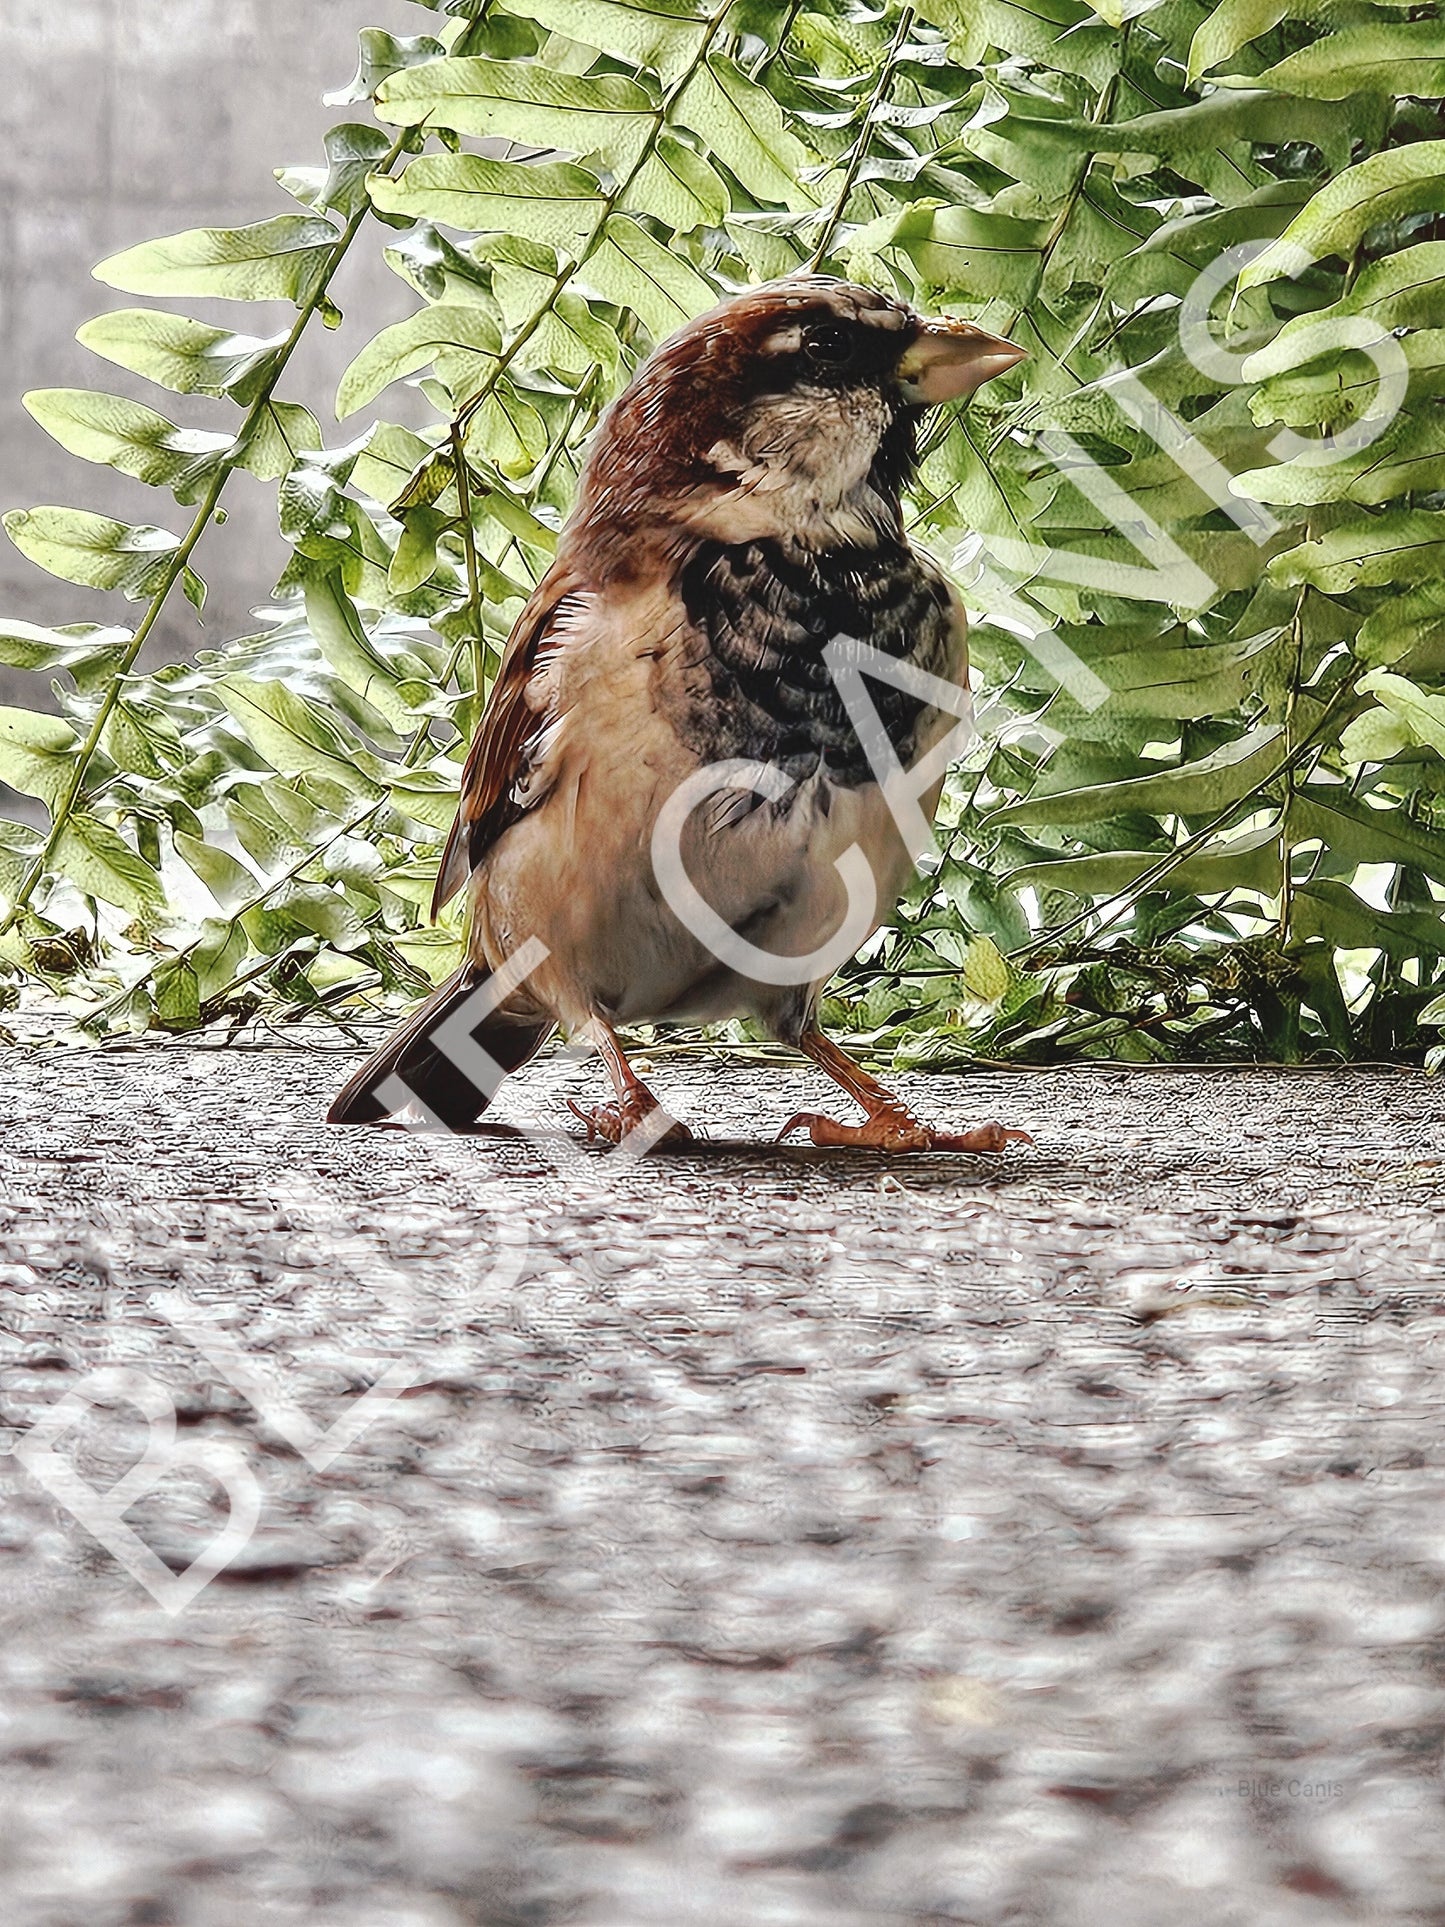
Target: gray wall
{"points": [[124, 119]]}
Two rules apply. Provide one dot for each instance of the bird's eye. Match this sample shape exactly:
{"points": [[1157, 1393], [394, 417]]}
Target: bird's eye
{"points": [[828, 344]]}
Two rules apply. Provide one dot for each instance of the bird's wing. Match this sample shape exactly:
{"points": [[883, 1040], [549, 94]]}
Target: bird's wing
{"points": [[498, 756]]}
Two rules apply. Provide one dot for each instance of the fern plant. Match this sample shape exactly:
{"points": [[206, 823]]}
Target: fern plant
{"points": [[1205, 811]]}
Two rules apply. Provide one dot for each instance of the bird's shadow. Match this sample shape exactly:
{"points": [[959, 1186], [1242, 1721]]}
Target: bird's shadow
{"points": [[723, 1150]]}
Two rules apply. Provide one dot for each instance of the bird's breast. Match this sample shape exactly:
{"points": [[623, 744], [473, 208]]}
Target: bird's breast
{"points": [[761, 615]]}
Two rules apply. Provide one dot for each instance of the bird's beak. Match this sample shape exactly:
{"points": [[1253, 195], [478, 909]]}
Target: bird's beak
{"points": [[950, 359]]}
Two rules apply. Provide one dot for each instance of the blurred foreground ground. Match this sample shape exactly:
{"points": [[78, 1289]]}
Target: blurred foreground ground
{"points": [[760, 1537]]}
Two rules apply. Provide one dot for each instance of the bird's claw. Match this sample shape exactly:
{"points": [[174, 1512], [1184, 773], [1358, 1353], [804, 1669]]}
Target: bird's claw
{"points": [[983, 1138], [617, 1120], [897, 1130]]}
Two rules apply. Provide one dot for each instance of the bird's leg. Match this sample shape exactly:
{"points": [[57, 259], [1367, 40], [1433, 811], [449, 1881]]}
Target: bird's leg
{"points": [[890, 1125], [635, 1107]]}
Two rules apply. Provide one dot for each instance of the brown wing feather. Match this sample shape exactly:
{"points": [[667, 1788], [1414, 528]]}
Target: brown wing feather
{"points": [[497, 756]]}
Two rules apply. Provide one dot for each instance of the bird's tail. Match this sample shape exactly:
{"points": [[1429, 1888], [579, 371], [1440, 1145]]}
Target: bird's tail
{"points": [[511, 1035]]}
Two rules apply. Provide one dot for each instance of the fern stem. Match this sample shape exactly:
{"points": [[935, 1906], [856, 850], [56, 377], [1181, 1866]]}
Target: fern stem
{"points": [[1286, 848], [860, 147], [1151, 878], [181, 555], [1098, 115], [661, 117], [764, 66], [469, 548]]}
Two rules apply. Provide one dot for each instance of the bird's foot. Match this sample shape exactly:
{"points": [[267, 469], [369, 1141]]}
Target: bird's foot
{"points": [[638, 1111], [895, 1129]]}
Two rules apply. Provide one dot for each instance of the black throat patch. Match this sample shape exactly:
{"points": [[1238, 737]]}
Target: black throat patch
{"points": [[767, 610]]}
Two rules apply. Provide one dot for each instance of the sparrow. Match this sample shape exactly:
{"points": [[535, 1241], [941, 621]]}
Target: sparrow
{"points": [[670, 782]]}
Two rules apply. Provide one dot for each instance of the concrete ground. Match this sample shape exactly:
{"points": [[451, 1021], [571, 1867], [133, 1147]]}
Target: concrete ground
{"points": [[739, 1538]]}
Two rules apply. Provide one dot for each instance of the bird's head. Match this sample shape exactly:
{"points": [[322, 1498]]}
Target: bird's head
{"points": [[790, 410]]}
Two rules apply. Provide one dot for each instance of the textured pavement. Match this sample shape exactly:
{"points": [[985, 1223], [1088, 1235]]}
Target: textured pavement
{"points": [[739, 1537]]}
